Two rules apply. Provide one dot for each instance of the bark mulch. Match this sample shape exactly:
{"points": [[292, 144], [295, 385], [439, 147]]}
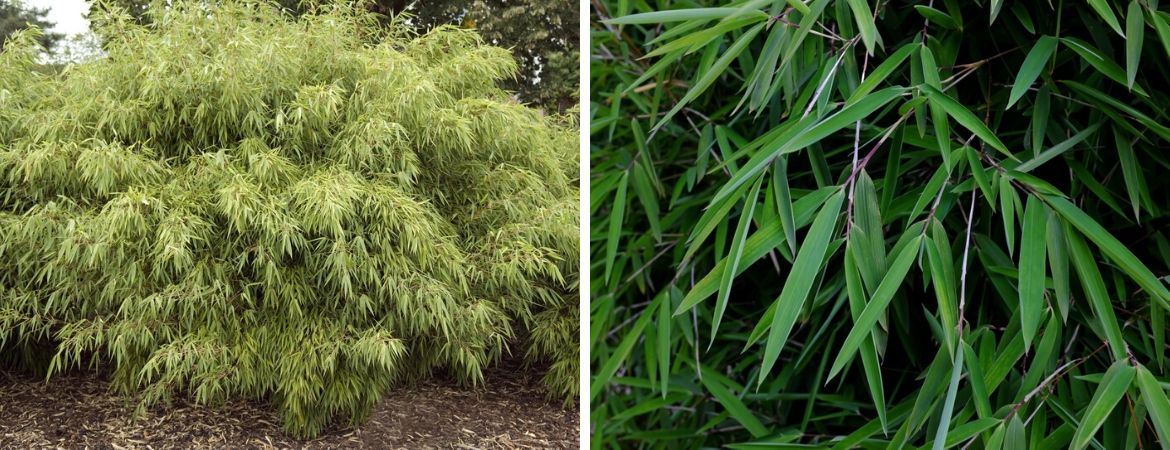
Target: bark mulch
{"points": [[78, 411]]}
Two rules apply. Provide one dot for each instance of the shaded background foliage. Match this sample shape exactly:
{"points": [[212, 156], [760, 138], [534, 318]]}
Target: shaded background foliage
{"points": [[327, 208], [543, 37], [15, 16], [879, 224]]}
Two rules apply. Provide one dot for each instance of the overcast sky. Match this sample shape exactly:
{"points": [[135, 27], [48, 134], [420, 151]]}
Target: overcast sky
{"points": [[66, 14]]}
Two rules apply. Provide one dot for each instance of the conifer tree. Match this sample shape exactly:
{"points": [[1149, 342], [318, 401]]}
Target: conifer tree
{"points": [[236, 203]]}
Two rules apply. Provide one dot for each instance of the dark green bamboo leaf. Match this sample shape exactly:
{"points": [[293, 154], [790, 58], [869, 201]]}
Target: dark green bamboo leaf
{"points": [[1154, 397], [937, 17], [864, 17], [1135, 182], [800, 280], [1032, 267], [615, 224], [967, 119], [1033, 64], [677, 15], [619, 355], [1094, 288], [1112, 248], [870, 364], [784, 201], [1102, 8], [1009, 204], [1116, 382], [713, 382], [1015, 438], [1135, 28], [734, 256], [944, 424], [881, 298], [808, 136], [1162, 28], [1058, 263], [881, 72], [1057, 149], [712, 74], [1096, 59]]}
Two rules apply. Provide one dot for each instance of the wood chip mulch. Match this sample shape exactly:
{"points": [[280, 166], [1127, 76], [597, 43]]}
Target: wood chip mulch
{"points": [[78, 411]]}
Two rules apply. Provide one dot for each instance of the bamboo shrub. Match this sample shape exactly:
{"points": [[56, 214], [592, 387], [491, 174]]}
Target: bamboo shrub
{"points": [[235, 203]]}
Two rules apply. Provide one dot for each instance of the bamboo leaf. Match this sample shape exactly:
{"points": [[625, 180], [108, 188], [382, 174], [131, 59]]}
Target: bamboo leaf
{"points": [[784, 201], [734, 256], [677, 15], [865, 23], [1033, 64], [1032, 268], [940, 436], [1094, 288], [1135, 27], [1102, 8], [733, 404], [712, 74], [877, 304], [1112, 248], [1154, 397], [1116, 382], [615, 224], [967, 119], [805, 137], [800, 280]]}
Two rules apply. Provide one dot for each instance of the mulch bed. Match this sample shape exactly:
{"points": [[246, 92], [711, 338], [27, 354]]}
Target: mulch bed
{"points": [[78, 411]]}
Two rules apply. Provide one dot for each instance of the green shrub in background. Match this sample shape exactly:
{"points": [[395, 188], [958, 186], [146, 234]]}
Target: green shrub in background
{"points": [[880, 224], [232, 203]]}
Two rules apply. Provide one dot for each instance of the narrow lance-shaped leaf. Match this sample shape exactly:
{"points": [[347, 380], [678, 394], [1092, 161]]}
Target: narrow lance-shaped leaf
{"points": [[800, 280], [856, 292], [1117, 380], [1154, 396], [1095, 291], [1030, 70], [784, 201], [865, 23], [966, 118], [713, 73], [878, 302], [806, 137], [677, 15], [615, 223], [940, 436], [736, 252], [632, 336], [1134, 180], [1102, 8], [664, 331], [1032, 267], [733, 404], [1135, 32], [1112, 248]]}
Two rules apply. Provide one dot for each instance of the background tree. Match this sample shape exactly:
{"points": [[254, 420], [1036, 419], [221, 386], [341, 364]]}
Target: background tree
{"points": [[542, 34], [15, 16], [328, 207]]}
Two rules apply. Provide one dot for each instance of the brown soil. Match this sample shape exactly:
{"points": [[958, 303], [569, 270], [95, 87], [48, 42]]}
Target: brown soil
{"points": [[78, 411]]}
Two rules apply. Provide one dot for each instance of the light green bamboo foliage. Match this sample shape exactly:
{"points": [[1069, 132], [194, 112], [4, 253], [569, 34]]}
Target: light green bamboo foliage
{"points": [[232, 203]]}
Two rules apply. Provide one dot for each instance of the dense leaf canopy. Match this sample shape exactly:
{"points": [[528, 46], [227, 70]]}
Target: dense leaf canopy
{"points": [[232, 203], [542, 35], [880, 224]]}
